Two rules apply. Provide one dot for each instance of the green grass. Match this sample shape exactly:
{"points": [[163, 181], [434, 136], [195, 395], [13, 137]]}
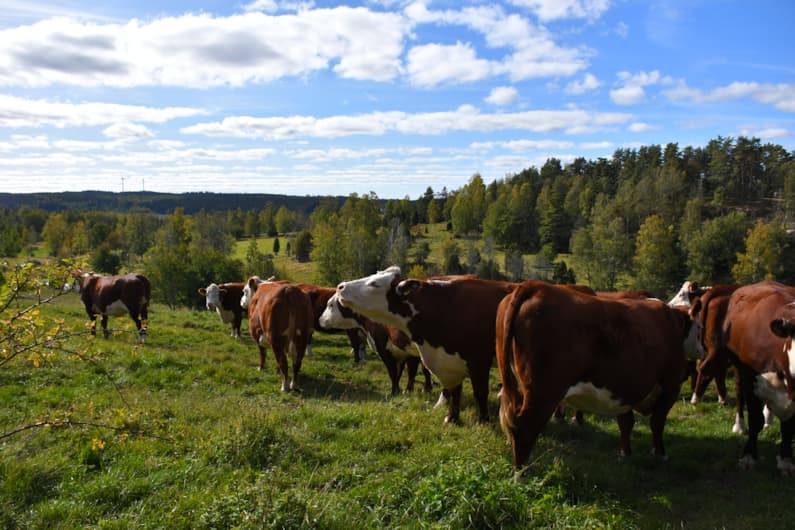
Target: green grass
{"points": [[201, 439]]}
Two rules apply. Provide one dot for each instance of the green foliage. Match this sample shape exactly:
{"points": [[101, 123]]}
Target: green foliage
{"points": [[657, 263], [105, 260], [713, 250], [469, 207], [10, 241], [302, 247], [764, 252]]}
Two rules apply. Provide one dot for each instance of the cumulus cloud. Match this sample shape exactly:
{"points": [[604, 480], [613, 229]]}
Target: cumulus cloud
{"points": [[127, 131], [21, 112], [464, 118], [781, 96], [502, 95], [589, 82], [631, 89], [432, 64], [548, 10]]}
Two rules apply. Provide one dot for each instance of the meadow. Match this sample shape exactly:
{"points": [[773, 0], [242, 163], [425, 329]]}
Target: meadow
{"points": [[184, 432]]}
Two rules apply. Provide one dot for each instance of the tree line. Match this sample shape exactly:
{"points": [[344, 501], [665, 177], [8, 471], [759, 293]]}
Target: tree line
{"points": [[645, 218]]}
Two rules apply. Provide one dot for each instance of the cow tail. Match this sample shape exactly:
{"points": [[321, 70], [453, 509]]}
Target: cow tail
{"points": [[510, 396], [291, 334]]}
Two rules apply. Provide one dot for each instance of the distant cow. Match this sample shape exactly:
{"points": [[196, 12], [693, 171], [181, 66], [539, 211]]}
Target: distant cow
{"points": [[450, 320], [687, 293], [280, 316], [604, 356], [758, 331], [392, 345], [224, 298], [114, 296]]}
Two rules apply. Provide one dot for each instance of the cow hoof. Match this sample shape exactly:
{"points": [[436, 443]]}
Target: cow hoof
{"points": [[694, 399], [785, 466], [441, 402], [747, 463], [452, 420]]}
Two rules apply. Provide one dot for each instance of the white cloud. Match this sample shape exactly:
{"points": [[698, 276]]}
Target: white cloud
{"points": [[127, 130], [640, 127], [631, 90], [464, 118], [547, 10], [502, 95], [433, 64], [781, 96], [589, 82], [20, 112]]}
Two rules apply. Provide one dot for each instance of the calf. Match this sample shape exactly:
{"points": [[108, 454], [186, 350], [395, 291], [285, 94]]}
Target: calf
{"points": [[116, 296], [279, 315], [224, 298], [758, 335], [450, 320], [392, 345], [605, 356]]}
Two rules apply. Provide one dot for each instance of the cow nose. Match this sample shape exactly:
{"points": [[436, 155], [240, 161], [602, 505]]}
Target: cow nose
{"points": [[341, 287]]}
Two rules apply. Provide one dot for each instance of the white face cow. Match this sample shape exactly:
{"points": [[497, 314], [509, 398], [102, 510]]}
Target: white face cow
{"points": [[369, 296], [212, 294], [333, 317]]}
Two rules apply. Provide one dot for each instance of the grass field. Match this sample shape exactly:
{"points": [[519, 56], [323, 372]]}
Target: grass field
{"points": [[184, 432]]}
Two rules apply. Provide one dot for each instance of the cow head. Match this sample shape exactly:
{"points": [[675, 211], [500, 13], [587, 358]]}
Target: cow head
{"points": [[380, 297], [335, 316], [249, 289], [213, 294], [78, 281]]}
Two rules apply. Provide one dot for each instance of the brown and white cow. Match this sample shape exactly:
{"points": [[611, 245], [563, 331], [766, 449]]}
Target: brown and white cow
{"points": [[450, 320], [280, 316], [114, 296], [610, 357], [224, 298], [758, 335], [392, 345]]}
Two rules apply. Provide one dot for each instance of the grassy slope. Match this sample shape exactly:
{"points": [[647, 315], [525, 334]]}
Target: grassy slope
{"points": [[227, 449]]}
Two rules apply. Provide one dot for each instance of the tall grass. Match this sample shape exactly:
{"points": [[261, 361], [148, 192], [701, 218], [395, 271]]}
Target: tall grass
{"points": [[196, 437]]}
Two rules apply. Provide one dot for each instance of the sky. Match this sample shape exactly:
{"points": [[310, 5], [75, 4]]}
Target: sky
{"points": [[381, 96]]}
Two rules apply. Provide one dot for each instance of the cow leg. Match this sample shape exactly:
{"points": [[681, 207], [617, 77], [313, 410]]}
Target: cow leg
{"points": [[720, 384], [281, 363], [453, 404], [428, 386], [93, 323], [140, 316], [784, 458], [739, 419], [105, 332], [659, 414], [626, 422], [480, 388], [262, 352], [392, 369], [411, 364], [296, 368], [755, 418]]}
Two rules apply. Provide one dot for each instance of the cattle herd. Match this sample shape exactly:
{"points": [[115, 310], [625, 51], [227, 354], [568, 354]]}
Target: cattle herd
{"points": [[606, 353]]}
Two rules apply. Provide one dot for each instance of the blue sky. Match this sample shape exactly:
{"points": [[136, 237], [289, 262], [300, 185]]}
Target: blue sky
{"points": [[383, 96]]}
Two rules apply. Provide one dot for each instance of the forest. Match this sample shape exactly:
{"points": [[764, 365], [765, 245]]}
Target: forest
{"points": [[645, 218]]}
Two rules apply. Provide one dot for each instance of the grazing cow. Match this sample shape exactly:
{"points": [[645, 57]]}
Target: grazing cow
{"points": [[279, 315], [605, 356], [392, 345], [114, 296], [225, 299], [450, 320], [758, 335]]}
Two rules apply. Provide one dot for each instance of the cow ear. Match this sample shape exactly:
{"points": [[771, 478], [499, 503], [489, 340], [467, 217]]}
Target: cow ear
{"points": [[781, 327], [202, 291], [407, 287]]}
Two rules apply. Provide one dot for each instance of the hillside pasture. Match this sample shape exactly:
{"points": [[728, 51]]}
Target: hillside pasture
{"points": [[184, 432]]}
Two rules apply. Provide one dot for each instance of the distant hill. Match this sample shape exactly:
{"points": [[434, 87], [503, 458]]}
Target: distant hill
{"points": [[158, 203]]}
